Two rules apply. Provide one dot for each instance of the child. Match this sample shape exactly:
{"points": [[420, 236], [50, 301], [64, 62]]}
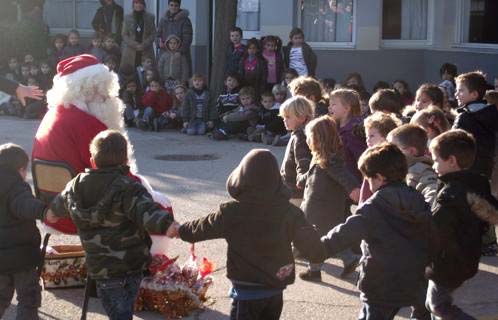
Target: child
{"points": [[34, 109], [289, 75], [428, 94], [197, 114], [132, 101], [270, 126], [463, 203], [56, 53], [279, 94], [111, 62], [412, 141], [377, 127], [34, 71], [491, 97], [259, 214], [95, 47], [20, 252], [274, 62], [235, 51], [296, 112], [433, 120], [229, 100], [327, 186], [298, 55], [25, 73], [147, 64], [252, 67], [394, 229], [29, 59], [113, 214], [46, 76], [156, 103], [111, 49], [149, 75], [312, 89], [386, 100], [448, 73], [14, 68], [403, 90], [344, 107], [172, 65], [355, 81], [73, 47], [174, 114], [240, 121], [328, 85], [478, 118]]}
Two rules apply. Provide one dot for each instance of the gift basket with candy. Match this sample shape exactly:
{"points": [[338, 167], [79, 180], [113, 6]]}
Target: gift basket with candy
{"points": [[172, 290]]}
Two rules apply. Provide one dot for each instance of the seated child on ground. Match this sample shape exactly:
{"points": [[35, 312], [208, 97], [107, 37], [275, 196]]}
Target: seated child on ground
{"points": [[412, 141], [259, 214], [394, 229], [270, 126], [156, 103], [133, 103], [229, 99], [197, 113], [114, 215]]}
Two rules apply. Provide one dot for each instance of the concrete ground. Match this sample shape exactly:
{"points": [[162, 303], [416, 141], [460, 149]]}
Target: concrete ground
{"points": [[196, 188]]}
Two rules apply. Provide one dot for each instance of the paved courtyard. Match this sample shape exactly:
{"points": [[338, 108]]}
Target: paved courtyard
{"points": [[196, 188]]}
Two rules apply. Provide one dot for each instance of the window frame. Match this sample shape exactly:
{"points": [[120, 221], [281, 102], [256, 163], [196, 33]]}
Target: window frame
{"points": [[83, 32], [248, 34], [330, 44], [411, 44], [459, 32]]}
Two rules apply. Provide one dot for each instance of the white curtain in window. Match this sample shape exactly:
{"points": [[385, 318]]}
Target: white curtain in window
{"points": [[248, 15], [327, 20], [414, 19]]}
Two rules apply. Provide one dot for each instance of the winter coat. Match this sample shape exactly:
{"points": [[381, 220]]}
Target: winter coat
{"points": [[227, 101], [325, 194], [279, 66], [70, 51], [189, 107], [296, 162], [256, 78], [482, 121], [100, 22], [130, 45], [354, 143], [173, 65], [233, 58], [463, 207], [159, 101], [422, 177], [309, 58], [259, 225], [395, 226], [19, 236], [113, 214], [272, 121], [178, 25]]}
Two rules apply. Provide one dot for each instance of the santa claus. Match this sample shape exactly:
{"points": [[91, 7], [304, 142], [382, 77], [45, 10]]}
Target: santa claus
{"points": [[82, 102]]}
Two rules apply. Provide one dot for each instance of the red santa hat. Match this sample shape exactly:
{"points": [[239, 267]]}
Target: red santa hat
{"points": [[81, 66]]}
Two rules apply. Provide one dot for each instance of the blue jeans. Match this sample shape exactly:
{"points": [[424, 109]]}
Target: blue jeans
{"points": [[196, 126], [440, 303], [118, 296], [149, 115]]}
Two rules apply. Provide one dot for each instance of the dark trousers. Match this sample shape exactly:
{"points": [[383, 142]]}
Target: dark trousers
{"points": [[118, 296], [440, 302], [26, 284], [264, 309], [371, 311]]}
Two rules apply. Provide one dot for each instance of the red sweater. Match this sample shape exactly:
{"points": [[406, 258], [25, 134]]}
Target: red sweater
{"points": [[159, 101]]}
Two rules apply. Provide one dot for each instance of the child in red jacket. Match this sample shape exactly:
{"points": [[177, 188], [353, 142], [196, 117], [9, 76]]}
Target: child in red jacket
{"points": [[157, 103]]}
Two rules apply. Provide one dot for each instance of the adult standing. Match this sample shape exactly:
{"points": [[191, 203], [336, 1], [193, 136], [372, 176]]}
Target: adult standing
{"points": [[139, 32], [108, 20], [176, 22]]}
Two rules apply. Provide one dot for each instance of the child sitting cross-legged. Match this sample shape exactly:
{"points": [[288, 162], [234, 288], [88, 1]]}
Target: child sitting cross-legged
{"points": [[464, 206], [394, 229], [114, 215], [412, 141], [259, 225]]}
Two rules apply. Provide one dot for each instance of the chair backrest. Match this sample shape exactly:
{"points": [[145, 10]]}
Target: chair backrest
{"points": [[50, 178]]}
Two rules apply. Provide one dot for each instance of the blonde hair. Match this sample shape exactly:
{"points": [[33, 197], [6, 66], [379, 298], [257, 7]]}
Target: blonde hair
{"points": [[323, 139], [350, 98], [431, 118], [298, 106], [383, 122]]}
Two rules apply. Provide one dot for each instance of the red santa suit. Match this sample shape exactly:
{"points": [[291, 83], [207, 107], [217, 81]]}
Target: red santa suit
{"points": [[67, 129]]}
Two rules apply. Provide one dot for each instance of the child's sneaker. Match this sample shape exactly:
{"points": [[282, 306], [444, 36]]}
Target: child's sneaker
{"points": [[313, 276]]}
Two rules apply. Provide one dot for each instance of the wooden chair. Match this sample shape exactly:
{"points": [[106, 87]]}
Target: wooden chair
{"points": [[49, 179]]}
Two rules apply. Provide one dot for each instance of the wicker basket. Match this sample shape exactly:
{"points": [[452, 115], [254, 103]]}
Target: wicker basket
{"points": [[65, 269]]}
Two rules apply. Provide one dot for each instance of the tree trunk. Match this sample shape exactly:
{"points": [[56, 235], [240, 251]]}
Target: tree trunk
{"points": [[224, 19]]}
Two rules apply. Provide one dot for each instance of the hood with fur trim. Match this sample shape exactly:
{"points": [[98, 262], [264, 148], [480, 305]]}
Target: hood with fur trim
{"points": [[485, 209]]}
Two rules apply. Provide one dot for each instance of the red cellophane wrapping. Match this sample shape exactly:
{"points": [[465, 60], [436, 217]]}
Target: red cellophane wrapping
{"points": [[172, 290]]}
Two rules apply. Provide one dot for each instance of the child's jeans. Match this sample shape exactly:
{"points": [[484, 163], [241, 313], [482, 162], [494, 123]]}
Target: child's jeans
{"points": [[267, 308], [196, 127], [26, 284], [118, 296], [440, 303]]}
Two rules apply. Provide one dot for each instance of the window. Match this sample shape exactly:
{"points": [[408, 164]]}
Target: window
{"points": [[63, 15], [479, 22], [248, 18], [406, 20], [327, 20]]}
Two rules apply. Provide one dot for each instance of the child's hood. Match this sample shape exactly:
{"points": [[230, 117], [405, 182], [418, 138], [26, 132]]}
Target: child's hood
{"points": [[173, 36], [257, 179], [9, 178]]}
